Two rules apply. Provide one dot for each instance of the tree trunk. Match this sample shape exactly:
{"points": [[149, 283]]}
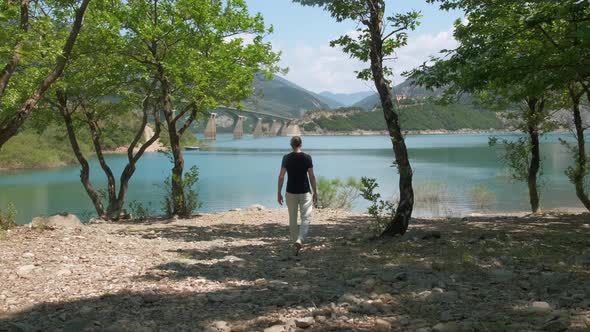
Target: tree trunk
{"points": [[401, 220], [536, 107], [534, 167], [85, 171], [178, 194], [10, 126], [111, 183], [581, 158]]}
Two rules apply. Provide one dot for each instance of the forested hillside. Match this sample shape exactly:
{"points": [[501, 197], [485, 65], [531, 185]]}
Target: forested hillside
{"points": [[427, 116]]}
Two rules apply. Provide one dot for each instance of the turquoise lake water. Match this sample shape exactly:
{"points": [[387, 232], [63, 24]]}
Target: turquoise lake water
{"points": [[236, 174]]}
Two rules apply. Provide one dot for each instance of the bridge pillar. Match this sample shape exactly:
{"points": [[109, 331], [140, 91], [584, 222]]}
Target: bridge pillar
{"points": [[239, 129], [211, 129], [275, 128], [283, 130], [290, 129], [258, 129]]}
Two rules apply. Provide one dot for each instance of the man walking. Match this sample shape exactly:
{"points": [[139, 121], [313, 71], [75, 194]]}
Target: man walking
{"points": [[298, 166]]}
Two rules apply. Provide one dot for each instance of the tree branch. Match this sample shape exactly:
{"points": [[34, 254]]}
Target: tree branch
{"points": [[10, 126], [96, 141], [10, 67], [551, 40], [188, 122]]}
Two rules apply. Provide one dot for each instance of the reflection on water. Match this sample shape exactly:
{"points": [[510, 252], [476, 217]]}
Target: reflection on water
{"points": [[241, 173]]}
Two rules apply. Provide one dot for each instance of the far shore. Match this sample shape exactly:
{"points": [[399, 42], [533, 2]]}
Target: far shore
{"points": [[420, 132]]}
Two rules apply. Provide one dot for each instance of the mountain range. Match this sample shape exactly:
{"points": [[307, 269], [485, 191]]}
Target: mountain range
{"points": [[282, 97], [346, 99]]}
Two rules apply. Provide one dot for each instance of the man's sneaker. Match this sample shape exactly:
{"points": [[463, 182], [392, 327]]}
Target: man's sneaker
{"points": [[298, 247]]}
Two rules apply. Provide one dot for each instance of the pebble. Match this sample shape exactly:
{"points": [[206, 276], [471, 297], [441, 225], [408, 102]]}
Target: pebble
{"points": [[64, 272], [28, 255], [424, 329], [304, 322], [349, 298], [277, 328], [446, 327], [382, 324]]}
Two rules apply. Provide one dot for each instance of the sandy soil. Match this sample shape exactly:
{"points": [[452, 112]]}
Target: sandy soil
{"points": [[235, 271]]}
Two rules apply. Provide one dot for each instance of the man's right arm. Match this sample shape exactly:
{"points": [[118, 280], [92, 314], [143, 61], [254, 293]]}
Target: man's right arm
{"points": [[281, 181]]}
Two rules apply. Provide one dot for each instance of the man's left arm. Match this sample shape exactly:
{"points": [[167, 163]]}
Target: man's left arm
{"points": [[281, 181], [313, 186]]}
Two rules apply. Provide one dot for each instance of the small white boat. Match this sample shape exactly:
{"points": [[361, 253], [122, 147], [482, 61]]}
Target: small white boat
{"points": [[193, 148]]}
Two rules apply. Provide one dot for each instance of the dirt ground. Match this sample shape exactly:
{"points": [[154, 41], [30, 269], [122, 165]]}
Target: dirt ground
{"points": [[235, 271]]}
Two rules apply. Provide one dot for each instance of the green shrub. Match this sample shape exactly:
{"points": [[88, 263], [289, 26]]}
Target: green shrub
{"points": [[516, 156], [337, 194], [382, 211], [139, 211], [311, 126], [482, 197], [8, 217], [191, 196]]}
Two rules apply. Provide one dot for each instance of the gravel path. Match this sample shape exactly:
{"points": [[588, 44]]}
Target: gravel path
{"points": [[235, 272]]}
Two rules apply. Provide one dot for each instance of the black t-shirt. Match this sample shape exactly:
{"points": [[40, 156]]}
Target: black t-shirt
{"points": [[297, 164]]}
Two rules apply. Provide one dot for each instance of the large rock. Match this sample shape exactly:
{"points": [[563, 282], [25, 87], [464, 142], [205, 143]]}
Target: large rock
{"points": [[25, 271], [540, 306], [256, 207], [66, 221]]}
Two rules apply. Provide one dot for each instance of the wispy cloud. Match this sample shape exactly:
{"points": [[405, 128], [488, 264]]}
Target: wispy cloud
{"points": [[324, 68]]}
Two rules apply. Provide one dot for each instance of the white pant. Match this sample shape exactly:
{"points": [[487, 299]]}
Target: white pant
{"points": [[304, 203]]}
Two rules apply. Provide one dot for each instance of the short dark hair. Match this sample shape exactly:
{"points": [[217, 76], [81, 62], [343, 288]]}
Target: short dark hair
{"points": [[295, 141]]}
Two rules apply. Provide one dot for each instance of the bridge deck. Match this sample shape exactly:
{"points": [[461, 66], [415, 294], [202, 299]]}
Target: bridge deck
{"points": [[256, 113]]}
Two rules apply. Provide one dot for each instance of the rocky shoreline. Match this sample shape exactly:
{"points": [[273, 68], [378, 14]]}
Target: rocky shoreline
{"points": [[417, 132], [235, 271]]}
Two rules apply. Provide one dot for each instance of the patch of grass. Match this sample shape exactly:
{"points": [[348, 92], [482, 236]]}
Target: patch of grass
{"points": [[8, 218], [434, 197], [482, 197]]}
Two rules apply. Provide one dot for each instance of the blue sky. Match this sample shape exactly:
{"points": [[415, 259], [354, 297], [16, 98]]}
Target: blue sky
{"points": [[303, 34]]}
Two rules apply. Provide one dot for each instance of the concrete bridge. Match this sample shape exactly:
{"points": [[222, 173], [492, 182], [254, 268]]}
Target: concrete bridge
{"points": [[266, 124]]}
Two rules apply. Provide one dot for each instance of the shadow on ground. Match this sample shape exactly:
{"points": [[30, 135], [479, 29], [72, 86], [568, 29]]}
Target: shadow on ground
{"points": [[470, 274]]}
